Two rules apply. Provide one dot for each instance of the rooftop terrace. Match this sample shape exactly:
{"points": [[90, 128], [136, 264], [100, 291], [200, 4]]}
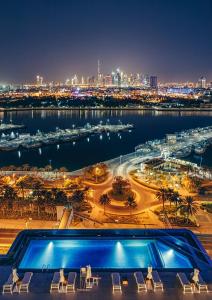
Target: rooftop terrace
{"points": [[182, 241]]}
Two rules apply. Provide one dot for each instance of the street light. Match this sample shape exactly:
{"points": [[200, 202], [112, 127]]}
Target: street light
{"points": [[97, 170], [27, 223]]}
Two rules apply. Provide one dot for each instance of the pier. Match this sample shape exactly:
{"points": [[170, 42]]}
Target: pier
{"points": [[174, 146], [179, 144], [10, 126], [15, 141]]}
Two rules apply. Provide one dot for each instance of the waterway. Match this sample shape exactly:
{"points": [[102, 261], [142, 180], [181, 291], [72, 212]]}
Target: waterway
{"points": [[148, 125]]}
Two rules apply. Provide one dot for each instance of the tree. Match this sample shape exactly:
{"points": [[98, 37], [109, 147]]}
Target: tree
{"points": [[48, 168], [63, 170], [131, 203], [96, 172], [9, 195], [77, 197], [121, 186], [189, 207], [191, 183], [162, 195], [104, 200], [174, 197], [28, 182], [42, 197], [59, 197]]}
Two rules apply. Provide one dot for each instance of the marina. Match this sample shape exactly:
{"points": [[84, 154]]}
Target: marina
{"points": [[147, 126], [14, 141], [9, 126], [180, 144]]}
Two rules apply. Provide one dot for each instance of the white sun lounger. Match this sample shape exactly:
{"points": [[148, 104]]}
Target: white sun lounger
{"points": [[185, 283], [70, 287], [201, 285], [24, 285], [9, 285], [140, 281], [116, 282], [55, 284], [156, 281]]}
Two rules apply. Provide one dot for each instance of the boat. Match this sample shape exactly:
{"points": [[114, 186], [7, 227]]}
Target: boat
{"points": [[182, 153]]}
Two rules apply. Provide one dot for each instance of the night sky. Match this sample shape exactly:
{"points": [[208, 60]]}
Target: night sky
{"points": [[58, 38]]}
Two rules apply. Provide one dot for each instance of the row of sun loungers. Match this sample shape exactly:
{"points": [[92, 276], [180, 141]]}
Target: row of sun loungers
{"points": [[187, 286], [21, 287]]}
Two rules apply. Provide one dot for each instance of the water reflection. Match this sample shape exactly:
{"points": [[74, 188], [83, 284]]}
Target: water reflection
{"points": [[148, 125]]}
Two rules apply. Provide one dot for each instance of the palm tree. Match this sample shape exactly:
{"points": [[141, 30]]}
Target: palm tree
{"points": [[104, 200], [77, 197], [175, 198], [59, 197], [21, 184], [131, 203], [189, 207], [162, 196], [9, 195]]}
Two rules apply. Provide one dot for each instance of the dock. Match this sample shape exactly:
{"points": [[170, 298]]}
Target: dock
{"points": [[9, 126], [15, 141]]}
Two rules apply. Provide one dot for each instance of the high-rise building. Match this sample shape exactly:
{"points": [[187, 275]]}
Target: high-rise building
{"points": [[108, 80], [118, 77], [145, 80], [74, 80], [99, 77], [39, 80], [91, 81], [113, 75], [153, 81], [202, 83]]}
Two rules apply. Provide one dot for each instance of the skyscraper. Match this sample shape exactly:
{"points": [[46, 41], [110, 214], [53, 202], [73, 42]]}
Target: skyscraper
{"points": [[153, 82], [202, 83], [39, 80], [118, 77], [98, 74], [145, 80]]}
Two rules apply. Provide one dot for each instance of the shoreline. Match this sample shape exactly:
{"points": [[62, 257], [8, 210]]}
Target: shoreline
{"points": [[194, 109]]}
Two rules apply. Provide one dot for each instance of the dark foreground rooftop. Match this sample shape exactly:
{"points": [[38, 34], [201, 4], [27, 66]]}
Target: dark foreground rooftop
{"points": [[40, 285]]}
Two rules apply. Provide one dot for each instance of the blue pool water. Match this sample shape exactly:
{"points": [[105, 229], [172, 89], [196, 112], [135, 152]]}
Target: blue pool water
{"points": [[102, 254]]}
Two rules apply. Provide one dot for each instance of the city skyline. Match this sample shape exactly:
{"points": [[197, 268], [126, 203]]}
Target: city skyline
{"points": [[116, 77], [62, 38]]}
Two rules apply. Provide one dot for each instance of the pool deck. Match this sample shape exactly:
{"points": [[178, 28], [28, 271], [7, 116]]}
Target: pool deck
{"points": [[40, 283]]}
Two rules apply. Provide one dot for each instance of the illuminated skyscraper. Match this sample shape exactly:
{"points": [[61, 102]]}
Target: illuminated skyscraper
{"points": [[153, 82], [108, 80], [98, 74], [202, 83], [118, 77], [39, 80], [74, 80], [146, 80]]}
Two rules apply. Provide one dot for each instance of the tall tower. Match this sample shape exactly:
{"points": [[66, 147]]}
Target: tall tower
{"points": [[98, 74], [202, 82]]}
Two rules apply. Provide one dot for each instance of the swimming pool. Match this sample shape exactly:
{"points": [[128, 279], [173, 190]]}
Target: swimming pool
{"points": [[107, 250], [102, 254]]}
